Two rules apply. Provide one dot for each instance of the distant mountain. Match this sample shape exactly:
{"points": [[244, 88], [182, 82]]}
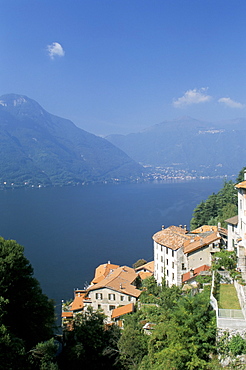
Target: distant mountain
{"points": [[199, 147], [38, 148]]}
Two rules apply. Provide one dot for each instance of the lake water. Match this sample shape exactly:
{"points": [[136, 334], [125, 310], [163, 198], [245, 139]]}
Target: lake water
{"points": [[67, 232]]}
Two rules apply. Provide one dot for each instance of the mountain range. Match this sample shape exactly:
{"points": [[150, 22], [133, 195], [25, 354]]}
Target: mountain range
{"points": [[197, 147], [38, 148]]}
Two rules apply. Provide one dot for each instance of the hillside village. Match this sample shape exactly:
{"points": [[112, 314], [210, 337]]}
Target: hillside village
{"points": [[180, 256]]}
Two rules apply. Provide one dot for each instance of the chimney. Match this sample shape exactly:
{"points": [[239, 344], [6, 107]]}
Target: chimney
{"points": [[162, 227], [191, 272], [185, 227], [108, 262], [180, 226]]}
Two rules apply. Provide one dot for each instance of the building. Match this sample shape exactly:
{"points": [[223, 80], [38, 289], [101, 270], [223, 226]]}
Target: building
{"points": [[237, 227], [178, 251], [116, 289], [146, 270], [112, 287]]}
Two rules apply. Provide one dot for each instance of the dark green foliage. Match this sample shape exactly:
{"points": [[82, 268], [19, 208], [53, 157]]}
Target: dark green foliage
{"points": [[224, 260], [90, 343], [217, 208], [231, 347], [240, 177], [133, 343], [29, 314], [43, 356], [183, 331], [139, 263]]}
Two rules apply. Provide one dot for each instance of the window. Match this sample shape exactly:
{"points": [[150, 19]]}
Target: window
{"points": [[129, 298], [161, 248], [173, 276], [99, 296], [167, 261], [111, 308], [98, 306], [162, 269], [111, 297], [161, 258], [122, 298], [172, 265], [172, 253], [183, 266], [166, 250], [167, 272]]}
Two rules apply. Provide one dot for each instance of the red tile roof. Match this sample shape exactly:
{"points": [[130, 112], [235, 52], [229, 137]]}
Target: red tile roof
{"points": [[123, 310], [200, 241], [149, 266], [67, 314], [188, 275], [173, 237], [102, 271], [120, 280]]}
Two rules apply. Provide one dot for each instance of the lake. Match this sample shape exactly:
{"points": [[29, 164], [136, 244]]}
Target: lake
{"points": [[68, 231]]}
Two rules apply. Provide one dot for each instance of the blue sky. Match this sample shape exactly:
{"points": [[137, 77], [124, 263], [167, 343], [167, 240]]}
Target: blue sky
{"points": [[118, 66]]}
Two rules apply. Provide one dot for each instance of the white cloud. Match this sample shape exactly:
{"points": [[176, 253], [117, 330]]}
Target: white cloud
{"points": [[55, 50], [194, 96], [231, 103]]}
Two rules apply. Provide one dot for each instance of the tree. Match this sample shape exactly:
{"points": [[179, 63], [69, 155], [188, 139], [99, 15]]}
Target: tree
{"points": [[240, 177], [139, 263], [217, 208], [28, 313], [90, 343], [133, 343]]}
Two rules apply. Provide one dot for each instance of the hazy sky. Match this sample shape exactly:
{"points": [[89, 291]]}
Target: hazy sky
{"points": [[118, 66]]}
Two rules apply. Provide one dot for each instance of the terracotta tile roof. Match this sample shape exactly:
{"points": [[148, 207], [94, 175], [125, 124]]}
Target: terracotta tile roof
{"points": [[204, 229], [232, 220], [149, 266], [200, 241], [173, 237], [123, 310], [67, 314], [120, 280], [102, 271], [78, 303], [145, 274], [188, 275], [241, 185]]}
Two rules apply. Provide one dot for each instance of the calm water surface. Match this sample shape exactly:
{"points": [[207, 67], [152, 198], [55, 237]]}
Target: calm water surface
{"points": [[69, 231]]}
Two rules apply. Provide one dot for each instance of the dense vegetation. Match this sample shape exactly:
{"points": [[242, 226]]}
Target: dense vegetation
{"points": [[26, 314], [218, 207], [180, 333]]}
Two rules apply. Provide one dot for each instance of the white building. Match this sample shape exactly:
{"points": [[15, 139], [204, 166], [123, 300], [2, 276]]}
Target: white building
{"points": [[177, 251], [237, 227]]}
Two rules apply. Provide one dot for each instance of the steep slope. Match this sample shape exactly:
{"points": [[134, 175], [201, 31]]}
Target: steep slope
{"points": [[203, 147], [40, 148]]}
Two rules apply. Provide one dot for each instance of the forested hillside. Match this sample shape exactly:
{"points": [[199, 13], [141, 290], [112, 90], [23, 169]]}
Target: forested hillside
{"points": [[218, 207], [38, 148], [200, 148]]}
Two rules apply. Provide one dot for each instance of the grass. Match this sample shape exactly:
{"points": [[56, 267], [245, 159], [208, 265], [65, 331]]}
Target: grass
{"points": [[228, 297]]}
